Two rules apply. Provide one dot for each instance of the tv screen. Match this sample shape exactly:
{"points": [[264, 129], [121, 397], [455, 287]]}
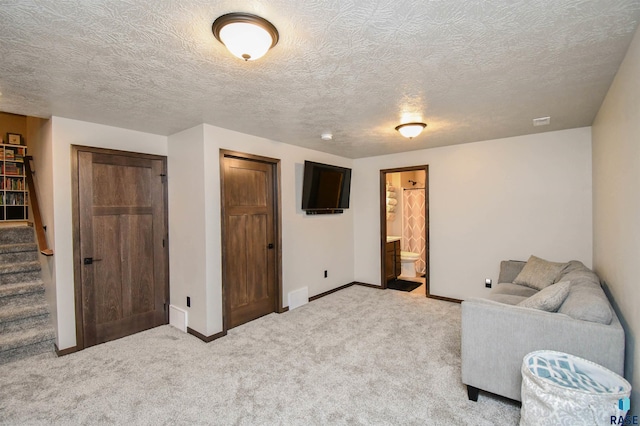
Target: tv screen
{"points": [[325, 187]]}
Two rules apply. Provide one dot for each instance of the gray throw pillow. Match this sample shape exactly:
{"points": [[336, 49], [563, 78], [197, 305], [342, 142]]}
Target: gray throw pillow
{"points": [[548, 299], [539, 273]]}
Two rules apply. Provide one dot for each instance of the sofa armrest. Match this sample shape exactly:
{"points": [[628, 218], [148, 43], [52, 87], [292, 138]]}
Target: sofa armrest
{"points": [[496, 337]]}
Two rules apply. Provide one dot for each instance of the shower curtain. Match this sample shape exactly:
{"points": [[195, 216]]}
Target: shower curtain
{"points": [[413, 225]]}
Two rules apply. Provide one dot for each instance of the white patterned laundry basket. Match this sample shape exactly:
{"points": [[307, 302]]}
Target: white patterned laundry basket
{"points": [[562, 389]]}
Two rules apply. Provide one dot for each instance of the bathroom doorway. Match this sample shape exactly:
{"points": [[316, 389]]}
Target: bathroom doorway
{"points": [[404, 224]]}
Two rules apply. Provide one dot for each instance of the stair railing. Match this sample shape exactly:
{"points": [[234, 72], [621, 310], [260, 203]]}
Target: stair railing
{"points": [[35, 207]]}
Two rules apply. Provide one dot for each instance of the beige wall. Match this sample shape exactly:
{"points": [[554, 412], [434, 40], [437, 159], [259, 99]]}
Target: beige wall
{"points": [[187, 242], [616, 203], [12, 123], [488, 201]]}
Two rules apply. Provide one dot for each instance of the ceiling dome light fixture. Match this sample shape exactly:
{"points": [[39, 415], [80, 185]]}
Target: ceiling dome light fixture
{"points": [[411, 130], [246, 36], [326, 136]]}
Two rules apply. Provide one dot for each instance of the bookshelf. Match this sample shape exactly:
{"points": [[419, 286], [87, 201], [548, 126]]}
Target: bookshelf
{"points": [[14, 196]]}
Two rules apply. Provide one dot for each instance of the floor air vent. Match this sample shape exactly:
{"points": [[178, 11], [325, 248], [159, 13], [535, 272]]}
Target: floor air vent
{"points": [[178, 318], [298, 298]]}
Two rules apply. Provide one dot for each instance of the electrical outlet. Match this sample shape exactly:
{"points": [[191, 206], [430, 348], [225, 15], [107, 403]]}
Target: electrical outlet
{"points": [[188, 302], [325, 273], [487, 283]]}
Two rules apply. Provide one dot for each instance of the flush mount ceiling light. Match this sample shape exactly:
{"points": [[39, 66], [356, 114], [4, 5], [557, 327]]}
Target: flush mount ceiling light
{"points": [[326, 136], [542, 121], [411, 130], [246, 36]]}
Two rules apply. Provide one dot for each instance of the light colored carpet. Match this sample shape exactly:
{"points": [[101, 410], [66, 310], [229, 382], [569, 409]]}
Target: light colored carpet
{"points": [[358, 356]]}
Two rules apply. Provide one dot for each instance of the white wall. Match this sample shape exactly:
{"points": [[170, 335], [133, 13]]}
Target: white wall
{"points": [[488, 201], [616, 203], [310, 244], [64, 133]]}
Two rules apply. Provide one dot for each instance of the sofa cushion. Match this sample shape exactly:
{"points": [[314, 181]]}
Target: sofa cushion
{"points": [[539, 273], [509, 270], [576, 272], [586, 300], [513, 289], [549, 298], [509, 299]]}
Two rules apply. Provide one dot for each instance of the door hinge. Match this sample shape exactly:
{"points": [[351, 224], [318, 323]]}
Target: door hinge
{"points": [[163, 242], [165, 306], [163, 177]]}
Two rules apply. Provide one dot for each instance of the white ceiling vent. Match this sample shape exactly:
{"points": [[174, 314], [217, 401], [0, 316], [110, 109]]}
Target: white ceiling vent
{"points": [[542, 121]]}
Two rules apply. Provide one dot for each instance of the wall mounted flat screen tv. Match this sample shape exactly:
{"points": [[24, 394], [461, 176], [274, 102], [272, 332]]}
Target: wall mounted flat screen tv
{"points": [[325, 188]]}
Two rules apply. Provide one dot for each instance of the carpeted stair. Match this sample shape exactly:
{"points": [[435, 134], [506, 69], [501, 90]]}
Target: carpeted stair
{"points": [[25, 325]]}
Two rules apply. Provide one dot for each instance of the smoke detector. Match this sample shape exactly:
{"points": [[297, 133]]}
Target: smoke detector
{"points": [[542, 121]]}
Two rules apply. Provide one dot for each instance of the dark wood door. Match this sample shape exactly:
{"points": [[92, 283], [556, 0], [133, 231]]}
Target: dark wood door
{"points": [[122, 229], [249, 240]]}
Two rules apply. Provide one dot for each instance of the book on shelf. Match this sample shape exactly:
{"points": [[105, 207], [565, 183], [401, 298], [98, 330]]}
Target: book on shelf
{"points": [[12, 184], [10, 169], [14, 199]]}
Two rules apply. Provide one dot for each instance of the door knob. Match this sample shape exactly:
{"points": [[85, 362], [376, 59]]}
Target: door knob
{"points": [[270, 246], [90, 260]]}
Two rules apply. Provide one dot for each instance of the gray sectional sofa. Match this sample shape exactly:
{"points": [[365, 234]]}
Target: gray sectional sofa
{"points": [[536, 306]]}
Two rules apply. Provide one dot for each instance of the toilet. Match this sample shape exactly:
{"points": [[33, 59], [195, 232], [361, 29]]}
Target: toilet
{"points": [[408, 263]]}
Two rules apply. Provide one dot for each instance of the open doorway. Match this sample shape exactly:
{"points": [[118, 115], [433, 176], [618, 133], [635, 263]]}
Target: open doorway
{"points": [[404, 224]]}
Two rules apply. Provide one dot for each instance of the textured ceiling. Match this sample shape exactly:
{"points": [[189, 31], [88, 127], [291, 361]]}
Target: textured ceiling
{"points": [[472, 69]]}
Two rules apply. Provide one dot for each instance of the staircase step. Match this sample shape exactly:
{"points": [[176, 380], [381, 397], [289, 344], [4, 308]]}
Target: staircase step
{"points": [[19, 272], [18, 289], [20, 312], [25, 299], [27, 323], [17, 268], [18, 248], [17, 354], [23, 351], [19, 278], [16, 234], [18, 254], [15, 340]]}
